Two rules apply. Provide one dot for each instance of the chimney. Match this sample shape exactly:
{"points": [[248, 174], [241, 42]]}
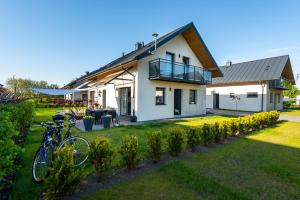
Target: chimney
{"points": [[139, 45], [154, 35], [228, 63]]}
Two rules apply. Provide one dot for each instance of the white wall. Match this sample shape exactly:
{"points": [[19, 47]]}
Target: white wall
{"points": [[247, 104], [146, 108]]}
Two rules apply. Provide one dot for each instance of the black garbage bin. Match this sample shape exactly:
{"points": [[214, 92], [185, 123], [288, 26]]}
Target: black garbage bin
{"points": [[106, 119]]}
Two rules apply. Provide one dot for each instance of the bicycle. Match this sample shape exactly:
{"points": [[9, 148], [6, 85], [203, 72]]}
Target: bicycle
{"points": [[52, 140]]}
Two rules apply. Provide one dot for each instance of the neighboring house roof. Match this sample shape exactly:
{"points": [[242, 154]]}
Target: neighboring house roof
{"points": [[256, 70], [189, 32]]}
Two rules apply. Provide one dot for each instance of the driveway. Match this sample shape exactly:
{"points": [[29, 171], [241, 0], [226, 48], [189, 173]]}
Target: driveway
{"points": [[289, 118]]}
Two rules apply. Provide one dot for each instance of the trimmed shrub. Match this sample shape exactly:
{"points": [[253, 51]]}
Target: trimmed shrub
{"points": [[193, 138], [224, 128], [233, 128], [218, 132], [176, 140], [64, 177], [207, 134], [154, 146], [101, 155], [129, 151]]}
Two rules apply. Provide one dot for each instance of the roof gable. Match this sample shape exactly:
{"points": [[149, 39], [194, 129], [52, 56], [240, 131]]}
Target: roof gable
{"points": [[190, 34], [257, 70]]}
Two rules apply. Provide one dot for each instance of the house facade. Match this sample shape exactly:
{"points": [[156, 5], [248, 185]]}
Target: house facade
{"points": [[251, 86], [166, 78]]}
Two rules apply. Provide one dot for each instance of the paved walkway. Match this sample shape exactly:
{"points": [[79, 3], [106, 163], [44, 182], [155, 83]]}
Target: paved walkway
{"points": [[229, 112], [289, 118]]}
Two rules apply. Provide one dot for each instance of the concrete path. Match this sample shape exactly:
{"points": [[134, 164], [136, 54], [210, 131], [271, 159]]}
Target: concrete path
{"points": [[289, 118]]}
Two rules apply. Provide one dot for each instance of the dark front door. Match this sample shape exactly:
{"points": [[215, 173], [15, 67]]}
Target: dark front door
{"points": [[177, 101], [125, 101], [216, 101], [104, 98]]}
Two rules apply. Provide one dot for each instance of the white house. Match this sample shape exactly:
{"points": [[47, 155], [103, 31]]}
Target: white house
{"points": [[166, 78], [251, 86]]}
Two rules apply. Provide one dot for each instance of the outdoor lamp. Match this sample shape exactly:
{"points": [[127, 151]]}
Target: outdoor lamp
{"points": [[99, 93]]}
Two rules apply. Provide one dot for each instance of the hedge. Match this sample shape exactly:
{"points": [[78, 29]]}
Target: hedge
{"points": [[15, 120]]}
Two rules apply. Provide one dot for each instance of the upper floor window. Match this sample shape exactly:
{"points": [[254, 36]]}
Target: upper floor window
{"points": [[252, 94], [160, 96], [193, 96]]}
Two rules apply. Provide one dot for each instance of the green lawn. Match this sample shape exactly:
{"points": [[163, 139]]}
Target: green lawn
{"points": [[264, 165], [292, 112], [25, 188]]}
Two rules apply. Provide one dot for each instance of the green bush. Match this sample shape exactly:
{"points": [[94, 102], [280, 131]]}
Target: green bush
{"points": [[218, 132], [154, 146], [176, 140], [207, 134], [129, 151], [101, 155], [224, 128], [193, 138], [232, 127], [64, 177]]}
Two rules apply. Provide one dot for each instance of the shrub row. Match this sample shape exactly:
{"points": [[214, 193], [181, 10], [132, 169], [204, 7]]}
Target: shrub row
{"points": [[15, 119], [102, 153], [64, 177]]}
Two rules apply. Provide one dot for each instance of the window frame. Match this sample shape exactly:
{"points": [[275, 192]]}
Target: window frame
{"points": [[163, 96], [252, 94], [195, 96]]}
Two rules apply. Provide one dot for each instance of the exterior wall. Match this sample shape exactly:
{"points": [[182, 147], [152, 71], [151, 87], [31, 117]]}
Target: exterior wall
{"points": [[146, 108], [298, 100], [246, 104]]}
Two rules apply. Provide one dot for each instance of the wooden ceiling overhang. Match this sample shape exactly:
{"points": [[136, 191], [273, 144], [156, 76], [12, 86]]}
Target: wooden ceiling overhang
{"points": [[199, 48], [287, 72], [102, 75]]}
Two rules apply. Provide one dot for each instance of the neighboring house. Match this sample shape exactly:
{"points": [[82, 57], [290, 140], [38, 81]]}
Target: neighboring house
{"points": [[163, 79], [298, 100], [2, 89], [251, 86]]}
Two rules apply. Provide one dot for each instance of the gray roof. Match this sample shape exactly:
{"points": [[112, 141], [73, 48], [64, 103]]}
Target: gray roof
{"points": [[256, 70], [144, 51]]}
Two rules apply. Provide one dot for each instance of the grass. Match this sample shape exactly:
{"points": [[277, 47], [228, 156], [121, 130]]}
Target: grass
{"points": [[25, 188], [292, 112], [263, 165]]}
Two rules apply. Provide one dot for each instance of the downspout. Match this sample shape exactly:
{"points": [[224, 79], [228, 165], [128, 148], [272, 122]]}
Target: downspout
{"points": [[262, 95]]}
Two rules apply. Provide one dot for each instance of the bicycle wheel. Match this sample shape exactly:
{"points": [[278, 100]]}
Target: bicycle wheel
{"points": [[81, 149], [42, 161]]}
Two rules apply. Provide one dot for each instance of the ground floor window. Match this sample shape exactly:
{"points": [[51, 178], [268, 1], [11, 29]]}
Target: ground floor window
{"points": [[160, 96], [193, 96], [278, 98], [271, 97], [252, 94]]}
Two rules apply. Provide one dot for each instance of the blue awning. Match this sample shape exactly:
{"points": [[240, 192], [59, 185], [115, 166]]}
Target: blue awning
{"points": [[53, 92]]}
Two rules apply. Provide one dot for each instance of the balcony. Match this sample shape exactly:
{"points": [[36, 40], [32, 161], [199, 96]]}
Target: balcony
{"points": [[161, 69], [280, 84]]}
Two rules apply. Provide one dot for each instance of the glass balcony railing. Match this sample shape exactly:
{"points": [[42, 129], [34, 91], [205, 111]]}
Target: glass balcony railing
{"points": [[162, 69], [279, 84]]}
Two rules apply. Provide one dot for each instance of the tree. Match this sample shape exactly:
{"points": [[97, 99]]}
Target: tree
{"points": [[23, 86], [291, 92]]}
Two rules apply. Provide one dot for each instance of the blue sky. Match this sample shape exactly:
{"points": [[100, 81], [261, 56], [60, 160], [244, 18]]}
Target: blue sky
{"points": [[58, 41]]}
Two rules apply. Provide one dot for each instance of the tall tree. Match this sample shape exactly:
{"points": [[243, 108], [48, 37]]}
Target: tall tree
{"points": [[291, 92], [23, 86]]}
